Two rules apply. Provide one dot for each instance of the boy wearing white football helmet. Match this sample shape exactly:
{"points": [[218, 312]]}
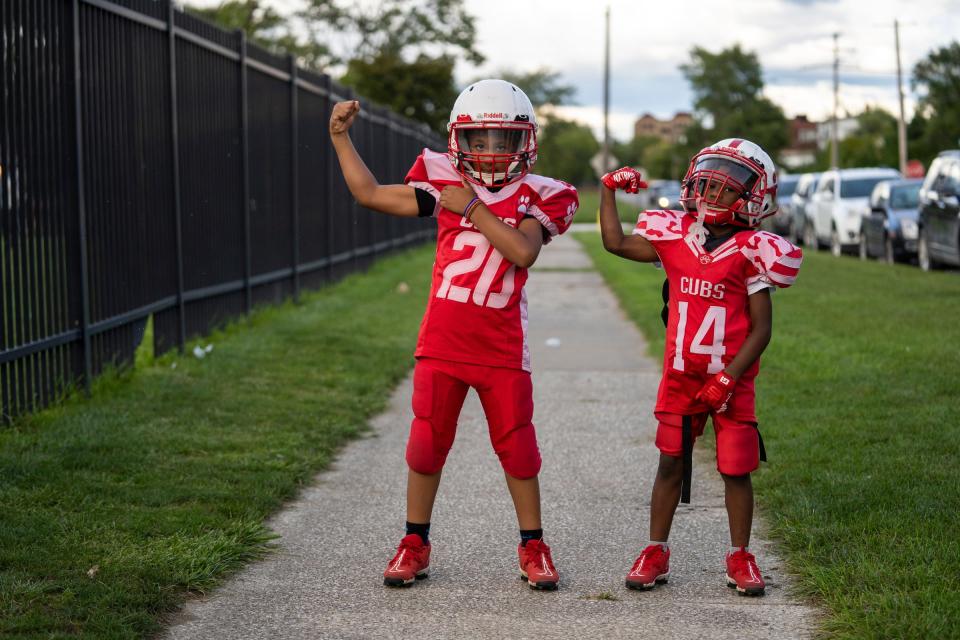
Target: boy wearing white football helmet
{"points": [[493, 216], [720, 269]]}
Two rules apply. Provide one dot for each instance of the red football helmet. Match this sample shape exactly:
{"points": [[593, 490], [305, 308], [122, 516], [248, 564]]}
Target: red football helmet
{"points": [[731, 182], [493, 133]]}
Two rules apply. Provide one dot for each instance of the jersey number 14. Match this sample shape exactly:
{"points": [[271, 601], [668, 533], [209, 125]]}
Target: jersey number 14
{"points": [[716, 317]]}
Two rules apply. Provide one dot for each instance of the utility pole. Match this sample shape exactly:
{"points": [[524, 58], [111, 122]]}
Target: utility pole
{"points": [[834, 134], [606, 96], [901, 122]]}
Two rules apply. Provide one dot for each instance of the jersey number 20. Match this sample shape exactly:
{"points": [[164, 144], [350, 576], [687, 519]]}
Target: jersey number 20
{"points": [[470, 264]]}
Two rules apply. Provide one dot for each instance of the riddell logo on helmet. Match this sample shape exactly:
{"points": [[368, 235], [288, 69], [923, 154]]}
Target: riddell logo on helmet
{"points": [[499, 116]]}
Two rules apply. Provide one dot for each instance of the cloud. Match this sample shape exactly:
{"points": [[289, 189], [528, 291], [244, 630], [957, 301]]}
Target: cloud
{"points": [[620, 121]]}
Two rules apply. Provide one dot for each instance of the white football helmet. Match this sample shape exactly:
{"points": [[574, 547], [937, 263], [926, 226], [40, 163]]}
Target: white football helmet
{"points": [[492, 133], [731, 165]]}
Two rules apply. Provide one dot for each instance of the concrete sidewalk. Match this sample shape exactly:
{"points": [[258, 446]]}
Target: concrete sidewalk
{"points": [[594, 394]]}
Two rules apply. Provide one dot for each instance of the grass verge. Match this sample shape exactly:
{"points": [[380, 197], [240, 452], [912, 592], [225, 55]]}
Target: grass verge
{"points": [[116, 508], [590, 207], [858, 401]]}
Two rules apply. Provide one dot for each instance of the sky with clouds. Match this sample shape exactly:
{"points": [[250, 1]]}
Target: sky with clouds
{"points": [[649, 41]]}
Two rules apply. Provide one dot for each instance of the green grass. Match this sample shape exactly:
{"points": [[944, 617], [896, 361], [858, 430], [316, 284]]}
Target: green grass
{"points": [[590, 207], [158, 485], [859, 402]]}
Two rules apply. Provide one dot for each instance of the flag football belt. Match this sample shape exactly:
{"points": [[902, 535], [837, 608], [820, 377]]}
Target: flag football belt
{"points": [[687, 443]]}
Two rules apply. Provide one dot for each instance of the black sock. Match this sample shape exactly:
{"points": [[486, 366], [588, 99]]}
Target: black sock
{"points": [[422, 530], [530, 534]]}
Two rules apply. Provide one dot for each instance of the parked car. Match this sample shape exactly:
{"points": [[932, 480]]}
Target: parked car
{"points": [[782, 221], [801, 216], [840, 203], [665, 194], [890, 229], [938, 241]]}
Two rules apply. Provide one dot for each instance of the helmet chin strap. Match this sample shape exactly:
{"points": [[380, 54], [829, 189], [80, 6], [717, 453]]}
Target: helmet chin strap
{"points": [[697, 232], [493, 179]]}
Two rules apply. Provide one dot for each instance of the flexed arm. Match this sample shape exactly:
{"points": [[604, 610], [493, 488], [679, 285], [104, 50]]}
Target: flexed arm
{"points": [[394, 199], [611, 229], [520, 245]]}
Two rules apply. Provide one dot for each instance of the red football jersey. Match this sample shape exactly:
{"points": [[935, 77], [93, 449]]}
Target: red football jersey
{"points": [[709, 314], [477, 312]]}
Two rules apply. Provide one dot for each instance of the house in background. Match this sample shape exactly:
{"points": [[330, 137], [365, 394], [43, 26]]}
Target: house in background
{"points": [[802, 149], [667, 130]]}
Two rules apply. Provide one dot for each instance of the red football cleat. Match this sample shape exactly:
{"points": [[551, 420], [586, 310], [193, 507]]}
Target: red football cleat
{"points": [[651, 568], [536, 565], [412, 562], [744, 574]]}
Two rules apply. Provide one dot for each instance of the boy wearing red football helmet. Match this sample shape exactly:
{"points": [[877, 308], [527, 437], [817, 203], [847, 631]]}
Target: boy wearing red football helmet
{"points": [[720, 270], [493, 216]]}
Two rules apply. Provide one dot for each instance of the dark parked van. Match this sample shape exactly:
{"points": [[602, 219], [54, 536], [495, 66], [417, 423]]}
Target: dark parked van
{"points": [[939, 218]]}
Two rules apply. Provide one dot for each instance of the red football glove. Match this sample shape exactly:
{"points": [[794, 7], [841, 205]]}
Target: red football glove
{"points": [[717, 391], [627, 178]]}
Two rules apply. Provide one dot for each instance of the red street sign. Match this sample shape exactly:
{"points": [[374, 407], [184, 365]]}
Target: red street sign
{"points": [[915, 169]]}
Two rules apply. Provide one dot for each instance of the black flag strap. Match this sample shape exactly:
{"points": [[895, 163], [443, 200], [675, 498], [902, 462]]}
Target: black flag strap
{"points": [[763, 451], [687, 459]]}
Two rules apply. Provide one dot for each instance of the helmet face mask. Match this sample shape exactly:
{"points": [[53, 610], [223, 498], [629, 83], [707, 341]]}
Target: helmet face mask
{"points": [[731, 182], [492, 155], [492, 134]]}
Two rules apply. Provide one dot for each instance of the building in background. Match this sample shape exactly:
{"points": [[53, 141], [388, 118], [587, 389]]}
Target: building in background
{"points": [[802, 150], [846, 127], [667, 130]]}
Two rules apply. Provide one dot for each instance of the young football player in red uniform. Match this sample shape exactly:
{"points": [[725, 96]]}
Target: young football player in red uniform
{"points": [[493, 216], [720, 270]]}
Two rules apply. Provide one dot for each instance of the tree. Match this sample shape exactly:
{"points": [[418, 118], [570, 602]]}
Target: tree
{"points": [[405, 28], [398, 53], [269, 29], [667, 161], [875, 142], [542, 86], [936, 79], [422, 90], [727, 88], [565, 150], [634, 153]]}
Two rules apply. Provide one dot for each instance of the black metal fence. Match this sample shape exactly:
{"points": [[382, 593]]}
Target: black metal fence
{"points": [[153, 164]]}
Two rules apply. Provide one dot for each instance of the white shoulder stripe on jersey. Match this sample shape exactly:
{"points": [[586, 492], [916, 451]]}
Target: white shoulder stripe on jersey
{"points": [[758, 284], [438, 166], [544, 186], [776, 277], [544, 219], [791, 263], [426, 186]]}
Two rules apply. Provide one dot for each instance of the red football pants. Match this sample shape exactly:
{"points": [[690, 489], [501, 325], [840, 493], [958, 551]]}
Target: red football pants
{"points": [[439, 389]]}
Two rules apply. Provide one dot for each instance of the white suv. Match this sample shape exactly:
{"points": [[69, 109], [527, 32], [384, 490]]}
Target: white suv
{"points": [[839, 204]]}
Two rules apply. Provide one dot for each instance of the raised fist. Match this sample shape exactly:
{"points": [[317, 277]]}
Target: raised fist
{"points": [[342, 116], [717, 392], [627, 178]]}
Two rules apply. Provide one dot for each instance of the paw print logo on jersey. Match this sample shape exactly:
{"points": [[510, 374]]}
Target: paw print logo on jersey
{"points": [[523, 203], [571, 209]]}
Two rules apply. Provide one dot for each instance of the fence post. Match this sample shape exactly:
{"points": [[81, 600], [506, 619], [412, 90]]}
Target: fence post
{"points": [[81, 203], [329, 159], [295, 170], [175, 140], [245, 154]]}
